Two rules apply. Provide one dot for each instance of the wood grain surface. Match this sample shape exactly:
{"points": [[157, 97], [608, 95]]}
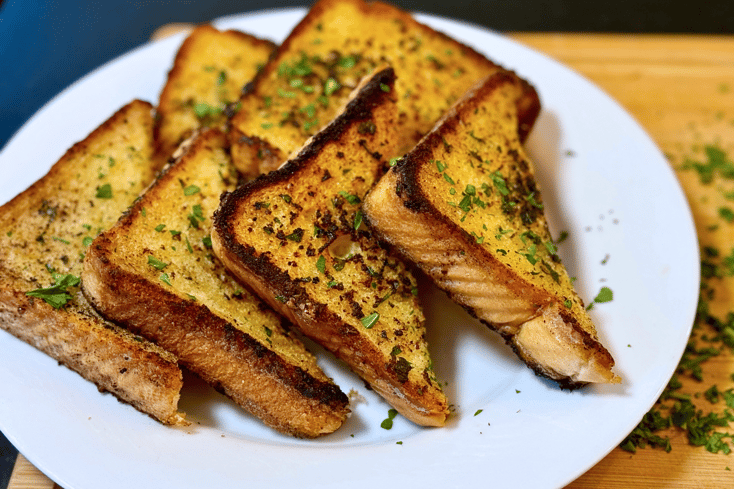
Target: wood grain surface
{"points": [[681, 90]]}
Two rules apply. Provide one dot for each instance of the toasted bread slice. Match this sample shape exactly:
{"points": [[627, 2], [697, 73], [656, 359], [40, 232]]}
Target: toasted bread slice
{"points": [[306, 83], [46, 231], [296, 236], [464, 205], [155, 273], [208, 74]]}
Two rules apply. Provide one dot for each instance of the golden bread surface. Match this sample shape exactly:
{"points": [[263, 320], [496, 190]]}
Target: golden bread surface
{"points": [[296, 236], [465, 206], [46, 232], [155, 272], [306, 83], [208, 73]]}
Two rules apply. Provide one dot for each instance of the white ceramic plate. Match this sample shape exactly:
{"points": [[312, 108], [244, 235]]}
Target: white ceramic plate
{"points": [[605, 183]]}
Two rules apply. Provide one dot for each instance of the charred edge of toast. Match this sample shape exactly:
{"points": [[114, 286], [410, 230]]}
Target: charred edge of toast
{"points": [[360, 108], [409, 188], [325, 393], [262, 154], [200, 321]]}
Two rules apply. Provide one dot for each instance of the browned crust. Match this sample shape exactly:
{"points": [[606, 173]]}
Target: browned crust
{"points": [[284, 396], [161, 153], [135, 375], [316, 319]]}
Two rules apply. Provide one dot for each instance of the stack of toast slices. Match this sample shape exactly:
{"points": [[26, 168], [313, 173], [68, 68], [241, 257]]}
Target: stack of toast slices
{"points": [[291, 191]]}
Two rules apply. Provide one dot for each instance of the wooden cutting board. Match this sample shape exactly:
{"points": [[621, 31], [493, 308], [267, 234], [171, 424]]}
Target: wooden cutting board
{"points": [[681, 90]]}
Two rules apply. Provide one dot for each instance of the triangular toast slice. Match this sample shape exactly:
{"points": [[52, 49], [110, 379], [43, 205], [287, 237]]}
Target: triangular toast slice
{"points": [[208, 73], [155, 273], [312, 73], [46, 232], [296, 236], [464, 205]]}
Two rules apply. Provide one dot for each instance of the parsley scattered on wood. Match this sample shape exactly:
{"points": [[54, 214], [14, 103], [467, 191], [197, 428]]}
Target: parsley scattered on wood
{"points": [[706, 416]]}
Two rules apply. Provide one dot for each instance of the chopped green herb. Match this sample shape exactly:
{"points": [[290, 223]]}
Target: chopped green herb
{"points": [[165, 278], [191, 190], [369, 321], [104, 192], [388, 422], [499, 183], [604, 295], [478, 412], [202, 110], [159, 228], [351, 198], [196, 216], [331, 86], [57, 294], [156, 263], [321, 264]]}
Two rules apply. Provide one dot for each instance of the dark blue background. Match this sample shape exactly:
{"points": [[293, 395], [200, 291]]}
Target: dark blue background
{"points": [[45, 46]]}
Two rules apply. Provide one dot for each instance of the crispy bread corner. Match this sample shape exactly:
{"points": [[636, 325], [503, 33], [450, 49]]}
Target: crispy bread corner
{"points": [[46, 229]]}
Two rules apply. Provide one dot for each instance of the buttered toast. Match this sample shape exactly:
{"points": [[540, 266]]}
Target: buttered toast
{"points": [[315, 69], [465, 207], [296, 235], [208, 73], [46, 232], [155, 273]]}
